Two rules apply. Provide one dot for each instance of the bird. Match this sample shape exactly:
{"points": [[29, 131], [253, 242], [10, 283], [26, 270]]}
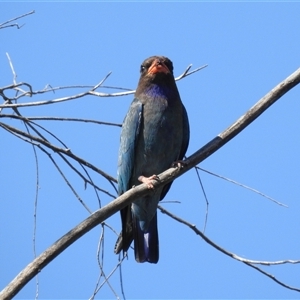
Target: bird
{"points": [[155, 134]]}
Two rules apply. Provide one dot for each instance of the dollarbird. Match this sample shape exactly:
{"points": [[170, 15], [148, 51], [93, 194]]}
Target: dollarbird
{"points": [[154, 135]]}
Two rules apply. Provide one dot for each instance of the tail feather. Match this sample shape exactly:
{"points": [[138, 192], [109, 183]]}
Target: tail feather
{"points": [[146, 243], [126, 236]]}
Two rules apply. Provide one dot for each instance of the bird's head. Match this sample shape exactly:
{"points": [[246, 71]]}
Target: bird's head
{"points": [[157, 70], [156, 66]]}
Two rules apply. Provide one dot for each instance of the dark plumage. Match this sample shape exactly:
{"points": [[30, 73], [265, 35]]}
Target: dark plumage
{"points": [[154, 135]]}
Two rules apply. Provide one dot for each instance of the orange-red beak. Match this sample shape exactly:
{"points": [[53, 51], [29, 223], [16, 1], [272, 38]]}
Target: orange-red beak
{"points": [[158, 66]]}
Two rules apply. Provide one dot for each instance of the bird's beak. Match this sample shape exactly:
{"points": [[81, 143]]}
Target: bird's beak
{"points": [[158, 66]]}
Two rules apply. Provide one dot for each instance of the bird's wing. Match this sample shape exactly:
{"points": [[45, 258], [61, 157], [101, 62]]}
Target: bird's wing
{"points": [[184, 146], [129, 136], [186, 134]]}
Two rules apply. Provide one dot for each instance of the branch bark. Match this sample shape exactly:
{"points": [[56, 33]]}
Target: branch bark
{"points": [[102, 214]]}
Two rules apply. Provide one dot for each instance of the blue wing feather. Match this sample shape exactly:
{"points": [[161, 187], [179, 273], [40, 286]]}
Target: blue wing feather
{"points": [[129, 136], [185, 133]]}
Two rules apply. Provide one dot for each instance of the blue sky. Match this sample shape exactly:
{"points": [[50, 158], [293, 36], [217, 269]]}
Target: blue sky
{"points": [[249, 48]]}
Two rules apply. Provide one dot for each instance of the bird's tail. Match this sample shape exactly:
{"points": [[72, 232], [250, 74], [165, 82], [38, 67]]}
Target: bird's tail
{"points": [[146, 243]]}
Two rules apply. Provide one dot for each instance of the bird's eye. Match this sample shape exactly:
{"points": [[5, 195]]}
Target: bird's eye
{"points": [[142, 68]]}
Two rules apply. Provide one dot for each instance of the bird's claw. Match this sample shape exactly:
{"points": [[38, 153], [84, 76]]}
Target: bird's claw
{"points": [[147, 180], [179, 164]]}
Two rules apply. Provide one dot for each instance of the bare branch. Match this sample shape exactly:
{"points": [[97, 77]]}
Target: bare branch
{"points": [[46, 102], [66, 180], [248, 262], [226, 252], [244, 186], [47, 89], [30, 140], [183, 75], [80, 95], [187, 73], [6, 23], [100, 264], [141, 190], [58, 119], [57, 149], [12, 69], [205, 197], [112, 94], [273, 277], [106, 278], [101, 82], [35, 215]]}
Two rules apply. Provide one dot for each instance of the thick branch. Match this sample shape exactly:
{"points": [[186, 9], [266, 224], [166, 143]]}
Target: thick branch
{"points": [[102, 214]]}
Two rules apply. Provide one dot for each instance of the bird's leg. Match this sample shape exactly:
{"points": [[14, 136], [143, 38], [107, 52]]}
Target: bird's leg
{"points": [[147, 180]]}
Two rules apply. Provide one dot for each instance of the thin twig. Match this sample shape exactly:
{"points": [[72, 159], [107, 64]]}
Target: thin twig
{"points": [[59, 119], [28, 140], [110, 274], [248, 262], [187, 73], [65, 179], [101, 82], [54, 101], [242, 185], [100, 250], [12, 69], [80, 95], [224, 251], [108, 226], [183, 75], [48, 88], [273, 278], [3, 25], [18, 116], [57, 149], [89, 181], [205, 197], [121, 277], [35, 215]]}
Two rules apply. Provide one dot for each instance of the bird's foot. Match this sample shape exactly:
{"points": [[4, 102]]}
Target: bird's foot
{"points": [[147, 180], [179, 164]]}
